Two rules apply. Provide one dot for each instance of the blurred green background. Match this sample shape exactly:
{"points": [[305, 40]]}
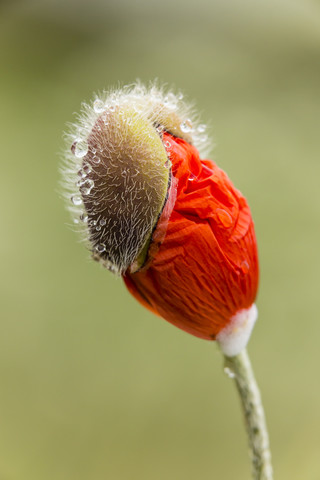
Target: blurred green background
{"points": [[91, 385]]}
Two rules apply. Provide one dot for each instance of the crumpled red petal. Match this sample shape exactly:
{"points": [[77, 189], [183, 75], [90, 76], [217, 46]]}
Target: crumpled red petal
{"points": [[206, 268]]}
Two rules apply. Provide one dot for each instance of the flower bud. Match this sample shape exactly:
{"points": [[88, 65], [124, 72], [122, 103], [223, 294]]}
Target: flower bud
{"points": [[153, 211]]}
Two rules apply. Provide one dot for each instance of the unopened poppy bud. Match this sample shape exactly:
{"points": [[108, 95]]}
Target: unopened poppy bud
{"points": [[171, 223]]}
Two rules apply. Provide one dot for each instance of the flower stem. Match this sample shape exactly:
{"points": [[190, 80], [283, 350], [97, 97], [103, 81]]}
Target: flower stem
{"points": [[239, 368]]}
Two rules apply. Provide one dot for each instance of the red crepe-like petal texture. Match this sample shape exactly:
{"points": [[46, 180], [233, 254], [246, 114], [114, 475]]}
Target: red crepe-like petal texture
{"points": [[206, 268]]}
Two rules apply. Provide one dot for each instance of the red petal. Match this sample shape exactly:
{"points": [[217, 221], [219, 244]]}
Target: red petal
{"points": [[206, 268]]}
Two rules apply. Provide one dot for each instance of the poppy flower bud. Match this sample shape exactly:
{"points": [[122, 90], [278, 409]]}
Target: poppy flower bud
{"points": [[171, 223]]}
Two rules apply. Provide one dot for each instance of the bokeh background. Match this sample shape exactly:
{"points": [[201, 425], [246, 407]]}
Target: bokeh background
{"points": [[91, 385]]}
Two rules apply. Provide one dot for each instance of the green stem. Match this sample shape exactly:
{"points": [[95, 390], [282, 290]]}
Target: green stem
{"points": [[239, 368]]}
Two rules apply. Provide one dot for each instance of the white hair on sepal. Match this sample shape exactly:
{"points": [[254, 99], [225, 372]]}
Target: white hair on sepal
{"points": [[85, 168], [153, 102]]}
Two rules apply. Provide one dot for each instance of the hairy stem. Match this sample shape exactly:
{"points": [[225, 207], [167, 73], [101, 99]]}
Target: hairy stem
{"points": [[239, 368]]}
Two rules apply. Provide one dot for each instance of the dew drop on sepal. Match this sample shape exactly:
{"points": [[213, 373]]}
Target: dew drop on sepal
{"points": [[170, 101], [84, 217], [186, 126], [98, 105], [201, 128], [76, 200], [81, 148], [87, 169], [81, 173], [203, 138], [86, 186]]}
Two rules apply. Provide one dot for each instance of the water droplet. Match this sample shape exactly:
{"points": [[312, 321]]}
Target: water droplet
{"points": [[186, 126], [76, 221], [180, 96], [170, 101], [202, 128], [105, 118], [170, 98], [81, 149], [103, 221], [87, 168], [203, 138], [96, 159], [81, 174], [100, 248], [168, 164], [76, 200], [160, 129], [86, 186], [224, 217], [98, 228], [245, 266], [98, 105], [167, 144], [84, 217], [229, 372]]}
